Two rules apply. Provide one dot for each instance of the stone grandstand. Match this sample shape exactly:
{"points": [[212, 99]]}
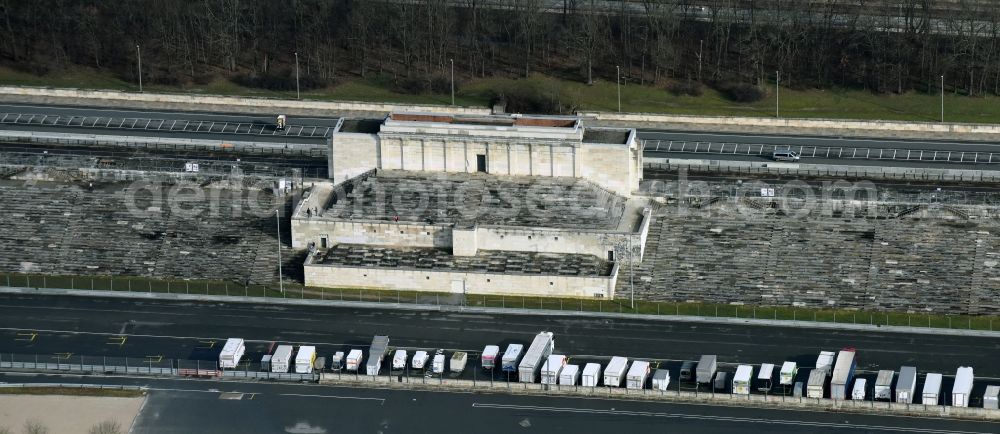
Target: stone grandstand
{"points": [[80, 226], [466, 199], [908, 257]]}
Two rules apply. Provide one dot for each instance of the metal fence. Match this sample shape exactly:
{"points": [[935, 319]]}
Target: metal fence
{"points": [[164, 125], [828, 152]]}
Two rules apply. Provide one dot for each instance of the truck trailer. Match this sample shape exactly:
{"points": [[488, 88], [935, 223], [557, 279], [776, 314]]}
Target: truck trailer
{"points": [[661, 379], [489, 356], [458, 361], [305, 359], [741, 380], [511, 357], [883, 385], [843, 373], [437, 363], [591, 375], [765, 378], [552, 367], [281, 358], [816, 386], [570, 375], [637, 374], [961, 392], [231, 353], [860, 391], [541, 347], [376, 353], [706, 369], [787, 373], [825, 361], [354, 358], [932, 390], [615, 372], [991, 399], [906, 386]]}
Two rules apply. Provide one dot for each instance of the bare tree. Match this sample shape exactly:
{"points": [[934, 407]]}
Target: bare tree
{"points": [[106, 427], [33, 426]]}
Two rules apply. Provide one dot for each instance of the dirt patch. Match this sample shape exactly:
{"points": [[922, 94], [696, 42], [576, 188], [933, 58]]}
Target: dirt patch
{"points": [[67, 414]]}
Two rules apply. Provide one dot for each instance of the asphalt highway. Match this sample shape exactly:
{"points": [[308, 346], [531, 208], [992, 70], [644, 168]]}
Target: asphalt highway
{"points": [[189, 330], [187, 406]]}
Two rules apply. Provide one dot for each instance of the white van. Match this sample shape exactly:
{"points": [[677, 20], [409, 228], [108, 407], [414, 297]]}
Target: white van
{"points": [[785, 154]]}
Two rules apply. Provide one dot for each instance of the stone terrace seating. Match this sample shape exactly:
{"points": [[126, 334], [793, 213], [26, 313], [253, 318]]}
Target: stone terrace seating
{"points": [[897, 263], [484, 199], [354, 255], [68, 229]]}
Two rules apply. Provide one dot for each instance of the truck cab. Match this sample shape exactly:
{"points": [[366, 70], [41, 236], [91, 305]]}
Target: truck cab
{"points": [[281, 122]]}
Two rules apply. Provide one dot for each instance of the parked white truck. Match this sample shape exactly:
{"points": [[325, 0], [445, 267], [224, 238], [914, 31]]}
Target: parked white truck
{"points": [[489, 356], [961, 392], [637, 375], [540, 349], [615, 372], [305, 359], [281, 358], [380, 345], [552, 367], [231, 353]]}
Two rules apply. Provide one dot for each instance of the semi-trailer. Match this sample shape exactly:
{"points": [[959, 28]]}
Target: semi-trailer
{"points": [[511, 357], [458, 361], [825, 361], [816, 386], [661, 379], [304, 359], [765, 377], [615, 372], [961, 391], [706, 369], [552, 367], [860, 391], [637, 375], [354, 360], [991, 398], [591, 375], [932, 390], [787, 373], [906, 386], [489, 356], [541, 347], [883, 385], [231, 353], [376, 353], [843, 373], [281, 358], [570, 375], [741, 380]]}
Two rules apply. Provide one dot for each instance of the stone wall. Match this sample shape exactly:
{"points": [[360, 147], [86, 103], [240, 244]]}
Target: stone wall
{"points": [[352, 154], [460, 282], [399, 234]]}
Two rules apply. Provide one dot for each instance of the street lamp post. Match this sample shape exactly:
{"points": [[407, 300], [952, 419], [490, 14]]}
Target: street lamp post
{"points": [[281, 280], [618, 81], [298, 93], [777, 94], [942, 98], [138, 55], [452, 81]]}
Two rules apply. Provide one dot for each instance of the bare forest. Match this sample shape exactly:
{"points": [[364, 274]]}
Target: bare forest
{"points": [[880, 45]]}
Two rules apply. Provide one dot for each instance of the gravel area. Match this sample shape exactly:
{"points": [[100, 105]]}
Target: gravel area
{"points": [[66, 414]]}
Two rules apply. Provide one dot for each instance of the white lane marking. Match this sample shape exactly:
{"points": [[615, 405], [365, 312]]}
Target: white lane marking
{"points": [[177, 113], [720, 418], [358, 398], [842, 141], [75, 332]]}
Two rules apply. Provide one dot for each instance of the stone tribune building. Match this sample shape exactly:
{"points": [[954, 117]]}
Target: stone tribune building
{"points": [[502, 204]]}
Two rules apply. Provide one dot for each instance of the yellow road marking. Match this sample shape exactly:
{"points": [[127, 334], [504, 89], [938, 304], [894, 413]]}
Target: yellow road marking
{"points": [[208, 344], [26, 336], [154, 359], [117, 340], [62, 356]]}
